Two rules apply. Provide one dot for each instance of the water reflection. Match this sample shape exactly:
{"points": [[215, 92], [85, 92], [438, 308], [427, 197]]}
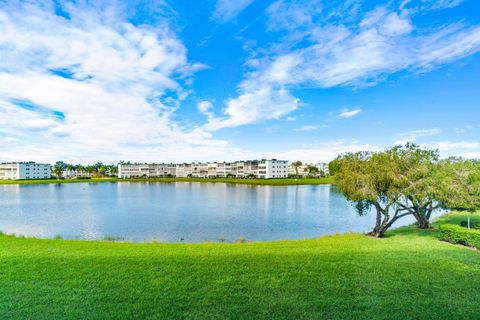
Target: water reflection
{"points": [[169, 212]]}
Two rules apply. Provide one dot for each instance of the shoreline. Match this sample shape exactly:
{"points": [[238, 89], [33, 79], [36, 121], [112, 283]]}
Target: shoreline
{"points": [[246, 181], [261, 280]]}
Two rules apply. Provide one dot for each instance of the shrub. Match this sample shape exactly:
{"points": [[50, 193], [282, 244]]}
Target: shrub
{"points": [[460, 235], [113, 238], [473, 225], [241, 240]]}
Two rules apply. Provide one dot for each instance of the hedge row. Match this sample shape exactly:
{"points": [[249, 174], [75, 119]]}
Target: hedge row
{"points": [[456, 234], [473, 224]]}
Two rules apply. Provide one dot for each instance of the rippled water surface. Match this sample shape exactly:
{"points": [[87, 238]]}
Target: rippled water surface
{"points": [[176, 212]]}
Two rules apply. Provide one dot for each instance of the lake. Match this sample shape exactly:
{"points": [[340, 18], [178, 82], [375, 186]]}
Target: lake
{"points": [[177, 212]]}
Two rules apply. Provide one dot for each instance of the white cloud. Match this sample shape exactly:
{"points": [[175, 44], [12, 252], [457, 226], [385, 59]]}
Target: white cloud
{"points": [[356, 54], [395, 26], [470, 155], [322, 152], [307, 128], [93, 87], [459, 145], [287, 14], [204, 106], [412, 136], [465, 149], [444, 4], [226, 10], [349, 113], [253, 106]]}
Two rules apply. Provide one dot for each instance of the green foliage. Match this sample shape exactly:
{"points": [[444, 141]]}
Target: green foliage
{"points": [[368, 180], [113, 238], [296, 165], [473, 225], [416, 178], [459, 235], [400, 181], [356, 179], [295, 176], [58, 168], [459, 182], [333, 167], [312, 170], [408, 275]]}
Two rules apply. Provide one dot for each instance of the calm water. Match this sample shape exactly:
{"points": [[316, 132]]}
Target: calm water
{"points": [[170, 212]]}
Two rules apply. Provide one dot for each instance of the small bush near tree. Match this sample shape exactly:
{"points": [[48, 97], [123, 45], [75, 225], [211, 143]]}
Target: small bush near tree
{"points": [[473, 225], [459, 235], [459, 185]]}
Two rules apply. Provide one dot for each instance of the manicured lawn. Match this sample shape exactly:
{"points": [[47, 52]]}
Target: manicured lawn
{"points": [[408, 275], [273, 182]]}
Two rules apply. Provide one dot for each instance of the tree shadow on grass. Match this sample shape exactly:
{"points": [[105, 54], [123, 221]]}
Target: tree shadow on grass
{"points": [[432, 232]]}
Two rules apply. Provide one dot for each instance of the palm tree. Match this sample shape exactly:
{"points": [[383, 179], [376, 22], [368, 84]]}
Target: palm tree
{"points": [[296, 165], [58, 168]]}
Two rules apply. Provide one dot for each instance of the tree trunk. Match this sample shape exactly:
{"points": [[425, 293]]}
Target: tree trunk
{"points": [[422, 215], [380, 226], [378, 223], [423, 223]]}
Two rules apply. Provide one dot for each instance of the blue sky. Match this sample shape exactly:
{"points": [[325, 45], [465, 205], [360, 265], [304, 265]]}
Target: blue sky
{"points": [[85, 81]]}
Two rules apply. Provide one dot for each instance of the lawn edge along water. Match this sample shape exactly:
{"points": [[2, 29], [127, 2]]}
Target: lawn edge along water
{"points": [[410, 274], [266, 182]]}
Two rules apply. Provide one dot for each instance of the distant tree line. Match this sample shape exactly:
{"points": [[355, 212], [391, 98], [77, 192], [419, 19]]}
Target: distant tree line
{"points": [[406, 181], [96, 170], [309, 170]]}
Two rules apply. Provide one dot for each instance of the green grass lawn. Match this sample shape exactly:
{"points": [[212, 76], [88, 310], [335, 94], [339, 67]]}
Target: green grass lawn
{"points": [[272, 182], [408, 275]]}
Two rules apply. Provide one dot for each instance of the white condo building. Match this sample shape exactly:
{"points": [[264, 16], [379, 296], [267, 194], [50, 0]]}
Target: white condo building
{"points": [[145, 170], [264, 169], [25, 171], [273, 169]]}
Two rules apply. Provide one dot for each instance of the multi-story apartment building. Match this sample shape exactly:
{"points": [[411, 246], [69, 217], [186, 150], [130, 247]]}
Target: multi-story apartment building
{"points": [[212, 169], [250, 168], [199, 170], [145, 170], [25, 171], [224, 169], [183, 170], [272, 169], [74, 173], [243, 169]]}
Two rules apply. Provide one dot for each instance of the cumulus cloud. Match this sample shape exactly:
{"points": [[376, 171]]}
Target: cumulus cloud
{"points": [[321, 152], [458, 145], [88, 85], [361, 53], [412, 136], [204, 106], [264, 103]]}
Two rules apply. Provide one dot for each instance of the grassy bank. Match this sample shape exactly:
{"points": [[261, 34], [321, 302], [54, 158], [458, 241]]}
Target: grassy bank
{"points": [[409, 275], [271, 182]]}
